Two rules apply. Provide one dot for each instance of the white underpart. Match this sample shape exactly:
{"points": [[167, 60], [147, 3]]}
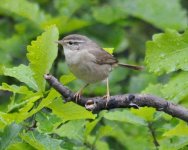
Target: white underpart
{"points": [[82, 65]]}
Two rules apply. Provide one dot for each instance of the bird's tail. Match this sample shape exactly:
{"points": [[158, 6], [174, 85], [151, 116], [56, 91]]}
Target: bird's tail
{"points": [[131, 66]]}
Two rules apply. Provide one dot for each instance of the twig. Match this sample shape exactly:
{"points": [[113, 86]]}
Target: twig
{"points": [[152, 131], [96, 104]]}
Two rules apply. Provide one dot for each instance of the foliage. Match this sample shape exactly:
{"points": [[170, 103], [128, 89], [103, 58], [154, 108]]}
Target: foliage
{"points": [[145, 32]]}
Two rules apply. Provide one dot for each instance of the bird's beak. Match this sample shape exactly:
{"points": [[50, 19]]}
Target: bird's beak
{"points": [[59, 42]]}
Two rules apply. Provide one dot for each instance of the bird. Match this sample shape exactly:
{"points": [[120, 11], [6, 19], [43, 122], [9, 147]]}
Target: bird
{"points": [[89, 62]]}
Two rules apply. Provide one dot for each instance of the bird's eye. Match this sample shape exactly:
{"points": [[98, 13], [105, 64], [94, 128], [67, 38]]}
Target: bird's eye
{"points": [[70, 43]]}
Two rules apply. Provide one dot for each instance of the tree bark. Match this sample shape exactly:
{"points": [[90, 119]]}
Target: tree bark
{"points": [[97, 104]]}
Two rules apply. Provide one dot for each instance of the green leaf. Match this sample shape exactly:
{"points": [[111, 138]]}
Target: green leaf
{"points": [[65, 79], [16, 89], [65, 24], [108, 14], [73, 130], [52, 95], [154, 89], [41, 54], [143, 79], [23, 74], [20, 146], [167, 52], [23, 112], [41, 141], [177, 88], [174, 143], [180, 130], [68, 7], [145, 112], [9, 135], [69, 111], [109, 50], [157, 12], [73, 24], [124, 116], [24, 9], [46, 122]]}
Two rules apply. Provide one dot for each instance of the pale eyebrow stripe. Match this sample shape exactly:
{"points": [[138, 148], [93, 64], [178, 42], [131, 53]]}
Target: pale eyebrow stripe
{"points": [[76, 41]]}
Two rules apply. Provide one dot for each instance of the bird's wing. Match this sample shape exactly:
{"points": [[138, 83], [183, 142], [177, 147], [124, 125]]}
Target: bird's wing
{"points": [[103, 57]]}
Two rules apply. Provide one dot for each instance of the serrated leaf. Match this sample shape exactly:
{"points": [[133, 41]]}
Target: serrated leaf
{"points": [[180, 130], [124, 116], [73, 130], [177, 88], [167, 52], [41, 54], [9, 135], [16, 89], [157, 12], [41, 141], [23, 112], [22, 73], [24, 9], [69, 111]]}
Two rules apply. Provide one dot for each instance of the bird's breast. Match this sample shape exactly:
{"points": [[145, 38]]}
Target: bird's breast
{"points": [[82, 65]]}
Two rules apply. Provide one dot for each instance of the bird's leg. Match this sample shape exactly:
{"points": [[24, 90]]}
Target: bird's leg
{"points": [[79, 92], [107, 96]]}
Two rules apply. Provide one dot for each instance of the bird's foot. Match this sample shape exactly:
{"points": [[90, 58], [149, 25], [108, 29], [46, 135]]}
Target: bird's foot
{"points": [[107, 97], [77, 96]]}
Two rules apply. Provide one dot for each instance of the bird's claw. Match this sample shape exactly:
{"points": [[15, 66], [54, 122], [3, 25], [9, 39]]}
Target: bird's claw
{"points": [[77, 96], [107, 97]]}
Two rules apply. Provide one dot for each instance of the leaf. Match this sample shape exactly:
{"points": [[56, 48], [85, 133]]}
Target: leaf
{"points": [[69, 111], [154, 89], [109, 50], [52, 95], [68, 7], [22, 73], [41, 141], [143, 79], [46, 122], [73, 24], [41, 54], [167, 52], [73, 130], [174, 143], [23, 112], [180, 130], [145, 112], [108, 14], [20, 146], [157, 12], [124, 116], [24, 9], [9, 135], [177, 88], [16, 89], [65, 24], [65, 79]]}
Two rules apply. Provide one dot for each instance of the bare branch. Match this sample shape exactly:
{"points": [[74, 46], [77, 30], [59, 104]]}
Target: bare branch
{"points": [[96, 104]]}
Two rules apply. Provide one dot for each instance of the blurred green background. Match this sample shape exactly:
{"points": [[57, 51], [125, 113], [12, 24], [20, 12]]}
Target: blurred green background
{"points": [[126, 26]]}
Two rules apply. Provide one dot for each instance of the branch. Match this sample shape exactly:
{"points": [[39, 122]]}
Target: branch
{"points": [[96, 104]]}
